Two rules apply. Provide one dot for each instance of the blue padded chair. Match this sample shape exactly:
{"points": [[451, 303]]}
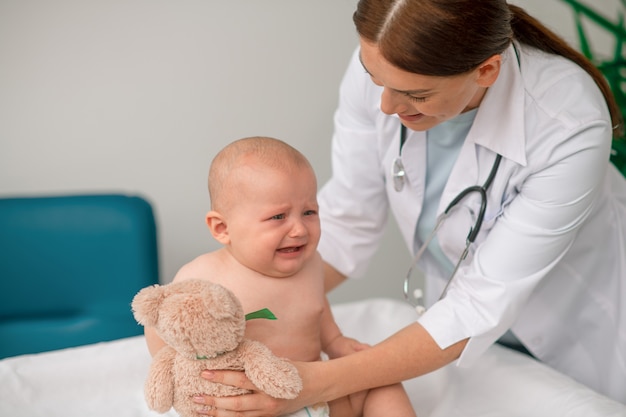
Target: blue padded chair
{"points": [[69, 268]]}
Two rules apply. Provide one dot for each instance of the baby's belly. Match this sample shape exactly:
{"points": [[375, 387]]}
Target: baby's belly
{"points": [[304, 348], [295, 334]]}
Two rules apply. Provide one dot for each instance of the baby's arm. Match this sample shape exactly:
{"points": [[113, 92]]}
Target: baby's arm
{"points": [[187, 271], [334, 343], [154, 342]]}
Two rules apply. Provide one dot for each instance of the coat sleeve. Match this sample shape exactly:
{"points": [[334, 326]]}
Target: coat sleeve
{"points": [[532, 235], [353, 203]]}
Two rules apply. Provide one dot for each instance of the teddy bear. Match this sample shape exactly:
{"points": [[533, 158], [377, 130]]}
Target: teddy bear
{"points": [[203, 325]]}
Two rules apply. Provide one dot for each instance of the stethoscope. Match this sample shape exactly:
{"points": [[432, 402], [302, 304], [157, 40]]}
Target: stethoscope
{"points": [[398, 174]]}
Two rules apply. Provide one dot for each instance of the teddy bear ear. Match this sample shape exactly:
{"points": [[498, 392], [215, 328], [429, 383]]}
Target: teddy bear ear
{"points": [[228, 305], [146, 305]]}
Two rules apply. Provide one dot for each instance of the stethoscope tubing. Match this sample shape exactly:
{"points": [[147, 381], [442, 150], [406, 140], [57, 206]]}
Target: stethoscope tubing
{"points": [[482, 190]]}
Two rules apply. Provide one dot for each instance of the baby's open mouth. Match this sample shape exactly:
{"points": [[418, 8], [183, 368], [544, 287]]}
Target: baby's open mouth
{"points": [[290, 249]]}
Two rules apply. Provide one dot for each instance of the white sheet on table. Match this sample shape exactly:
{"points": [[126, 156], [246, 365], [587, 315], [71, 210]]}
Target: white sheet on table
{"points": [[107, 379]]}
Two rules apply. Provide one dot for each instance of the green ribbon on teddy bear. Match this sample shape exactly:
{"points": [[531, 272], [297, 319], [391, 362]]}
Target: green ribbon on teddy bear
{"points": [[264, 313]]}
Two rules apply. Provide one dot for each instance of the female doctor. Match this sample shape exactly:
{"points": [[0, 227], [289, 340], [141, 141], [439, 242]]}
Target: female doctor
{"points": [[478, 105]]}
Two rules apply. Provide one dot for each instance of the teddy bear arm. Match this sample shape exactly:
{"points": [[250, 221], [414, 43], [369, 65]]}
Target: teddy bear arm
{"points": [[272, 375], [159, 388]]}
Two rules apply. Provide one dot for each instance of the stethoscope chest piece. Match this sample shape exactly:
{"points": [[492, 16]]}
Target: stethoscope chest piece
{"points": [[418, 296], [398, 173]]}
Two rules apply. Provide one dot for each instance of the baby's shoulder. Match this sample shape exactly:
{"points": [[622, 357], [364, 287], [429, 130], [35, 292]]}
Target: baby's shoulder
{"points": [[201, 267]]}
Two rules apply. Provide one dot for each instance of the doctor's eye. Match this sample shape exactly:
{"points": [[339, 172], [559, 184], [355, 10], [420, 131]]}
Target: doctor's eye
{"points": [[416, 99]]}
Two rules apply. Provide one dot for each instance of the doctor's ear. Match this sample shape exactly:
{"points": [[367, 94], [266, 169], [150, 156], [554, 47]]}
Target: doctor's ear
{"points": [[487, 72], [218, 227]]}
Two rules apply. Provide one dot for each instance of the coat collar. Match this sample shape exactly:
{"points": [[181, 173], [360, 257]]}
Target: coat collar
{"points": [[499, 124]]}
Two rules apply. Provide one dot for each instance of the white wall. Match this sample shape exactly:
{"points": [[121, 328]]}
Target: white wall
{"points": [[138, 95]]}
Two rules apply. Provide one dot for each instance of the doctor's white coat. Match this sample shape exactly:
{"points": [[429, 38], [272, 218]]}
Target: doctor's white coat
{"points": [[550, 260]]}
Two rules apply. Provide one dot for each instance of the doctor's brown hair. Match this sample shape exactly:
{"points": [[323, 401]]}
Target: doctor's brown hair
{"points": [[451, 37]]}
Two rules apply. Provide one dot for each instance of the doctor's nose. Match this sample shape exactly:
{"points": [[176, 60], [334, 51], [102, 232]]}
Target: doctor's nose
{"points": [[391, 102]]}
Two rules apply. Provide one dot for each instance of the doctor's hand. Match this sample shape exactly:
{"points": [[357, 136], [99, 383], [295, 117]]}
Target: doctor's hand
{"points": [[257, 403]]}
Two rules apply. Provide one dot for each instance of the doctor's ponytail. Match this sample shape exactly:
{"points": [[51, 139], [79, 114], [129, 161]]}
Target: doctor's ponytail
{"points": [[528, 30]]}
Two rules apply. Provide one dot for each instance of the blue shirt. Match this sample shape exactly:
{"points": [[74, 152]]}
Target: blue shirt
{"points": [[444, 143]]}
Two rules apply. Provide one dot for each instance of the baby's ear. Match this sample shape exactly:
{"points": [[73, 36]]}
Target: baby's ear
{"points": [[218, 227], [146, 305]]}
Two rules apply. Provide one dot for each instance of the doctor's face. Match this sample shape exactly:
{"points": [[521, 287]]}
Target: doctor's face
{"points": [[421, 101]]}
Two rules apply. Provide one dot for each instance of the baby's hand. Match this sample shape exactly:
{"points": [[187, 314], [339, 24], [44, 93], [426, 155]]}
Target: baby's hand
{"points": [[342, 346]]}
